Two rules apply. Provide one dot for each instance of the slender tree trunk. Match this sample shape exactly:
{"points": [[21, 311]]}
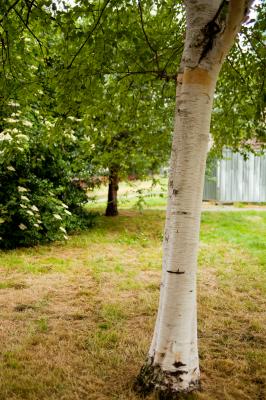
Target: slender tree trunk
{"points": [[173, 366], [111, 209]]}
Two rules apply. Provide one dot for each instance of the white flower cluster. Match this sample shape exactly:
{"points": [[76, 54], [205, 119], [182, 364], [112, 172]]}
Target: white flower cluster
{"points": [[70, 135], [27, 123], [22, 189], [22, 136], [66, 209], [11, 120], [10, 134], [5, 136], [30, 213], [59, 218], [49, 124], [31, 210], [74, 118], [13, 104], [22, 227], [25, 198]]}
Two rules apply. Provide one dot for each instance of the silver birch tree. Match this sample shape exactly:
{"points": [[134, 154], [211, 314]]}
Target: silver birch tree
{"points": [[173, 365]]}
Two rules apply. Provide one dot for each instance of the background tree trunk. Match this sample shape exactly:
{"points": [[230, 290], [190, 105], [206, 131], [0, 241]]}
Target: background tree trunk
{"points": [[111, 209]]}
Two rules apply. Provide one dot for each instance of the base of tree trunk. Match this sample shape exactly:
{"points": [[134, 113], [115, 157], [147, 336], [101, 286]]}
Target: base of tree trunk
{"points": [[152, 378], [111, 211]]}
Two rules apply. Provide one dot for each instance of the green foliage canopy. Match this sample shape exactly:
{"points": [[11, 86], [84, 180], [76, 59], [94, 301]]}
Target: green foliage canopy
{"points": [[95, 84]]}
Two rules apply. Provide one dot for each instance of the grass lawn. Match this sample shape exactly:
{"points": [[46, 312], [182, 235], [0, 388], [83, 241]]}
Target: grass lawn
{"points": [[133, 194], [77, 317], [147, 194]]}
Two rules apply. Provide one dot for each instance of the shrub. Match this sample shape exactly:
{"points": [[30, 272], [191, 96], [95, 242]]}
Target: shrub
{"points": [[39, 200]]}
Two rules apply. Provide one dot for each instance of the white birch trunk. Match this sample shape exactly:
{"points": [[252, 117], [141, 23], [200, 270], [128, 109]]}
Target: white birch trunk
{"points": [[173, 364], [168, 221], [175, 350]]}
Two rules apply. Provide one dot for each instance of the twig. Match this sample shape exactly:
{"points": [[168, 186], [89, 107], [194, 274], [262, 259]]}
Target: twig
{"points": [[31, 32], [145, 34], [91, 32], [9, 9], [176, 51], [29, 5]]}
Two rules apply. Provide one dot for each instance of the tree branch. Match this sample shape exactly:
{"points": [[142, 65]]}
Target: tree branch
{"points": [[254, 48], [236, 70], [91, 32], [9, 9], [31, 32], [145, 34], [176, 51], [29, 5], [238, 9], [158, 74]]}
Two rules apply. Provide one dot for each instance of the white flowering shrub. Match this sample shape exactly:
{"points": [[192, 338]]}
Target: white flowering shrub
{"points": [[38, 200]]}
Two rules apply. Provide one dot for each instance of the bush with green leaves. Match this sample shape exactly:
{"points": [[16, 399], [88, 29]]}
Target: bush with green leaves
{"points": [[39, 198]]}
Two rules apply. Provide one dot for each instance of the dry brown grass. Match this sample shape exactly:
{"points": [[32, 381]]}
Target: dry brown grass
{"points": [[77, 318]]}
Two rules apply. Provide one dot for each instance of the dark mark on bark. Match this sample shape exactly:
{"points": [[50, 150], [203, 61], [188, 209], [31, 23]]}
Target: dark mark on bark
{"points": [[176, 272], [182, 213], [178, 364], [175, 192], [178, 372], [212, 28], [171, 183]]}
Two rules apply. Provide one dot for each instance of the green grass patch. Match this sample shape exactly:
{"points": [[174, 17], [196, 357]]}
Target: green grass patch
{"points": [[246, 230], [20, 261]]}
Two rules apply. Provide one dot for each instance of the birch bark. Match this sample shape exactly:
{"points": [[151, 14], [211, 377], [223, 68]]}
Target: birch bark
{"points": [[173, 366]]}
